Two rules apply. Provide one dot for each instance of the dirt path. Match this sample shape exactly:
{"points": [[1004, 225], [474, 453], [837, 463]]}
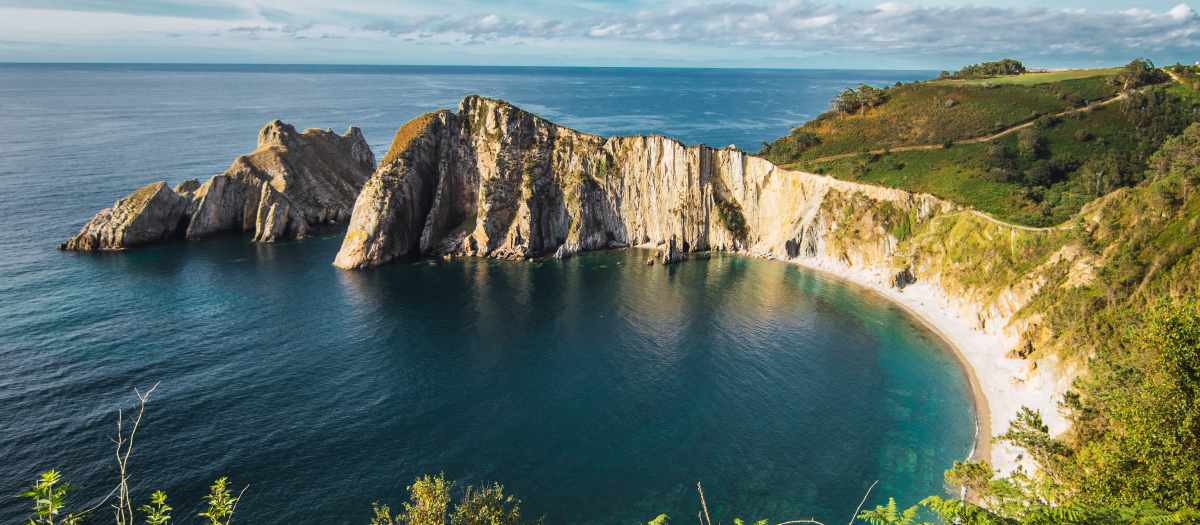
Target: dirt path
{"points": [[985, 138]]}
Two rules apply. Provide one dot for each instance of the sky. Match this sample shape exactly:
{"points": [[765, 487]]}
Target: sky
{"points": [[794, 34]]}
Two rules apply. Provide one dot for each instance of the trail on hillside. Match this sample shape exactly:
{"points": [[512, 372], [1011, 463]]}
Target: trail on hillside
{"points": [[984, 138]]}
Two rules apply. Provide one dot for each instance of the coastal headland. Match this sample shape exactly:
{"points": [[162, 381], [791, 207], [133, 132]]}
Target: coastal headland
{"points": [[492, 180]]}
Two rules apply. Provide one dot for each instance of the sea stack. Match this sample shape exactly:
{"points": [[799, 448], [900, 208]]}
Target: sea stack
{"points": [[291, 183]]}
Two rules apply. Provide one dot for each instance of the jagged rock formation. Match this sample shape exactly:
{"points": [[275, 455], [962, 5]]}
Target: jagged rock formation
{"points": [[672, 254], [493, 180], [292, 183], [146, 215]]}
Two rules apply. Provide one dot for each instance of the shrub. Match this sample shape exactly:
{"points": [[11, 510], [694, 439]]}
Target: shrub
{"points": [[731, 217], [1030, 142], [1046, 122]]}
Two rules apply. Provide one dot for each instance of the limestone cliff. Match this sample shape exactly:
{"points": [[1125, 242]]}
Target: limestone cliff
{"points": [[493, 180], [496, 181], [290, 184]]}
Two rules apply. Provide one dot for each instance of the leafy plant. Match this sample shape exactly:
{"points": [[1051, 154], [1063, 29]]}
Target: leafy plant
{"points": [[429, 498], [159, 513], [890, 515], [49, 501], [221, 503]]}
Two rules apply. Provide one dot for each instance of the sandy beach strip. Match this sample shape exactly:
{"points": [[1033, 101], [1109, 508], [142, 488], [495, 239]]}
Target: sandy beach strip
{"points": [[1000, 386]]}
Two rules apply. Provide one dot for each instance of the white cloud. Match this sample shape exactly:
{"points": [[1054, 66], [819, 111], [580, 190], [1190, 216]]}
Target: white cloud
{"points": [[904, 27], [901, 33]]}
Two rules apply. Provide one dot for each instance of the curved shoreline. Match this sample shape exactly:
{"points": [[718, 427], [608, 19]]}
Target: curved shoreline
{"points": [[981, 450], [1001, 386]]}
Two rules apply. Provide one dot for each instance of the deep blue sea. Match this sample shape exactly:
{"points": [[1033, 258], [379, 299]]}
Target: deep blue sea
{"points": [[596, 392]]}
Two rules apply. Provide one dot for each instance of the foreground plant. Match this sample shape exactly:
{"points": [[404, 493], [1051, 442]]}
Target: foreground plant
{"points": [[429, 504], [49, 501]]}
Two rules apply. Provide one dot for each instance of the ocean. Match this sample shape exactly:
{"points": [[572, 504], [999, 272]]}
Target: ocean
{"points": [[596, 390]]}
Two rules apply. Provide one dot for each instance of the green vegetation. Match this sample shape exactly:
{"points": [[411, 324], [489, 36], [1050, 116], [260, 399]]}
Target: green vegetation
{"points": [[956, 139], [429, 504], [50, 505], [732, 219], [1004, 67], [1029, 79], [406, 135]]}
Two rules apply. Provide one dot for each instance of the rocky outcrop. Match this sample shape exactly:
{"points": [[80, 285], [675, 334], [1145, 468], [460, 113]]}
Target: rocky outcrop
{"points": [[147, 215], [531, 187], [291, 183], [672, 254], [492, 180]]}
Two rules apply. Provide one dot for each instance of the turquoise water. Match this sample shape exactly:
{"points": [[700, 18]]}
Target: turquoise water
{"points": [[597, 392]]}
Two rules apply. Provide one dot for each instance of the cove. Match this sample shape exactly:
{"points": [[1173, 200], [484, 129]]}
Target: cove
{"points": [[596, 389]]}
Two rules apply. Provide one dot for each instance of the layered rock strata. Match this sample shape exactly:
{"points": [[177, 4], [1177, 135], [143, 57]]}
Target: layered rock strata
{"points": [[495, 181], [292, 183]]}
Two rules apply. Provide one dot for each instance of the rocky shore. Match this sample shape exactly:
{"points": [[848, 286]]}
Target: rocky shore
{"points": [[292, 183], [492, 180]]}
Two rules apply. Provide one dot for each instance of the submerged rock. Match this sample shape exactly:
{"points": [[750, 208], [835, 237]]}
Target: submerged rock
{"points": [[290, 184]]}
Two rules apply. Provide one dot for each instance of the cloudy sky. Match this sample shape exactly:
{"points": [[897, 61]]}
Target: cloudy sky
{"points": [[933, 34]]}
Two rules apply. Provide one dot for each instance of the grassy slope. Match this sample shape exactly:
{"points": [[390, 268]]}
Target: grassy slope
{"points": [[1037, 78], [916, 114]]}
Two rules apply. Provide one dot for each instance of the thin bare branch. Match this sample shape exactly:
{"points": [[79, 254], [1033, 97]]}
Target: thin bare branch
{"points": [[235, 504], [703, 504], [124, 506], [801, 521], [860, 504]]}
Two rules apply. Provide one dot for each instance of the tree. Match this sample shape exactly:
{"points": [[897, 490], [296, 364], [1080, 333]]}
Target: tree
{"points": [[1152, 451], [970, 476], [488, 506], [429, 502], [870, 97], [846, 101], [1140, 72], [1030, 143]]}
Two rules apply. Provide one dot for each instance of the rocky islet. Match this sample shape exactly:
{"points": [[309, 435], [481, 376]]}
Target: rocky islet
{"points": [[290, 184]]}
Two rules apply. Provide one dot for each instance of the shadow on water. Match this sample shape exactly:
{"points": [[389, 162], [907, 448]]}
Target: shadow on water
{"points": [[597, 389]]}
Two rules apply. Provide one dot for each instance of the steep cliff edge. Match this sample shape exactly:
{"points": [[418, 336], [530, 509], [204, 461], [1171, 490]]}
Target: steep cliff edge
{"points": [[492, 180], [291, 183], [528, 187]]}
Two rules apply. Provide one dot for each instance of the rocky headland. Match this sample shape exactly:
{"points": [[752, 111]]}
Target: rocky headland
{"points": [[291, 183], [492, 180]]}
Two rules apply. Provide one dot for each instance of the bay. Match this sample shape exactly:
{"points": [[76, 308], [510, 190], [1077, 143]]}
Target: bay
{"points": [[597, 392]]}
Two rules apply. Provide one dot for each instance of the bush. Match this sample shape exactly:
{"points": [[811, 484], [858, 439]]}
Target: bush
{"points": [[1083, 135], [1046, 122], [1030, 142], [429, 504]]}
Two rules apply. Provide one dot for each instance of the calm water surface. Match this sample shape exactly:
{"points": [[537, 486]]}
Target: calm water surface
{"points": [[597, 392]]}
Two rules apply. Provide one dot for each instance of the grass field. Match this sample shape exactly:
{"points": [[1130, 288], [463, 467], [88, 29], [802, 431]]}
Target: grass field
{"points": [[935, 112], [1030, 79], [1079, 155]]}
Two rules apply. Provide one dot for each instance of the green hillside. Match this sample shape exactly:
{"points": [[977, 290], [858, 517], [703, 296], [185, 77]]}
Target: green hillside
{"points": [[1029, 149]]}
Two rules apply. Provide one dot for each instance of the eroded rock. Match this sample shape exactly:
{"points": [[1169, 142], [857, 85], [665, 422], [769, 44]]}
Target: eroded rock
{"points": [[290, 184], [147, 215]]}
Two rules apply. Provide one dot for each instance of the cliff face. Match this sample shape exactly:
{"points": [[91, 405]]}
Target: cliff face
{"points": [[493, 180], [291, 183]]}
